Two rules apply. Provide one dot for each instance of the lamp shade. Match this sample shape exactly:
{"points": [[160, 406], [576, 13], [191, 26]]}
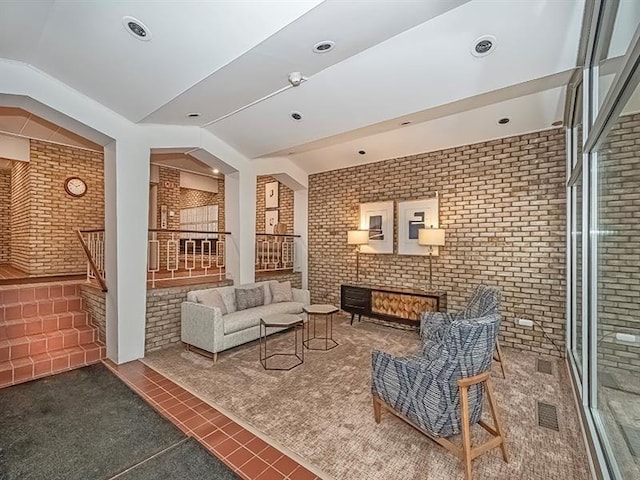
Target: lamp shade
{"points": [[358, 237], [431, 236]]}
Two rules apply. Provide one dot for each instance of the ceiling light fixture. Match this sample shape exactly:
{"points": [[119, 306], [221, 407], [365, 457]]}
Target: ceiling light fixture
{"points": [[324, 46], [136, 28], [483, 46], [193, 115], [504, 121], [215, 170], [361, 152], [296, 116]]}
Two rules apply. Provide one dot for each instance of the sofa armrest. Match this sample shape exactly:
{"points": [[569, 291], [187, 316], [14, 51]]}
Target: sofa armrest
{"points": [[302, 296], [202, 326]]}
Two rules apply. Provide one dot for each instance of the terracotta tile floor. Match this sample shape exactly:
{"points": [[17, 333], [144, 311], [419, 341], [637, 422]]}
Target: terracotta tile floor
{"points": [[249, 456]]}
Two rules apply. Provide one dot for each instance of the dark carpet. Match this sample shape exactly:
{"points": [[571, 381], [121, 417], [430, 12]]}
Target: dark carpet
{"points": [[201, 465], [85, 424]]}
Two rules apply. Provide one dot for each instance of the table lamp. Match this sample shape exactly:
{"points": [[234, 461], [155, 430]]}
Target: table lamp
{"points": [[357, 238], [431, 237]]}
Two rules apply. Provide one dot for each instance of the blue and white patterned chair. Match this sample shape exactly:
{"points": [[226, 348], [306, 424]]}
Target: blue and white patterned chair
{"points": [[441, 392], [485, 300]]}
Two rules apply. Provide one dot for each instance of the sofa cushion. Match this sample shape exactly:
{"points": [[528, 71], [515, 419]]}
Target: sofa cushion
{"points": [[211, 298], [249, 297], [243, 319], [281, 292]]}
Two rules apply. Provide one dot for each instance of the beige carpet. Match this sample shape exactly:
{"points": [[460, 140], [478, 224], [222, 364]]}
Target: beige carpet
{"points": [[322, 410]]}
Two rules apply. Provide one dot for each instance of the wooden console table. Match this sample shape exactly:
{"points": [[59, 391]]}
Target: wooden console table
{"points": [[401, 305]]}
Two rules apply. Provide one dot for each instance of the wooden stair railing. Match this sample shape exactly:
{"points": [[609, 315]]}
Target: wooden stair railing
{"points": [[92, 263]]}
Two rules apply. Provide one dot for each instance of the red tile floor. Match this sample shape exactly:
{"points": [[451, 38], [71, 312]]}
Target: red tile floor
{"points": [[249, 456]]}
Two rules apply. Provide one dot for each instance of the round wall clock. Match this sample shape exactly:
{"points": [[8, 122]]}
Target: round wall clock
{"points": [[75, 186]]}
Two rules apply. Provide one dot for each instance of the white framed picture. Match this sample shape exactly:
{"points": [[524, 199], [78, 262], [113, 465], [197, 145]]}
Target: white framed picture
{"points": [[377, 217], [412, 216], [271, 195], [270, 220]]}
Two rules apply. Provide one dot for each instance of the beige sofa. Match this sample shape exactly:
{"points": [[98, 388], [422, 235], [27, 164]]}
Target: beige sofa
{"points": [[206, 328]]}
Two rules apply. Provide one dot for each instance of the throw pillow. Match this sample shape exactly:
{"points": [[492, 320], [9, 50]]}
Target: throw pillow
{"points": [[212, 298], [249, 297], [281, 292]]}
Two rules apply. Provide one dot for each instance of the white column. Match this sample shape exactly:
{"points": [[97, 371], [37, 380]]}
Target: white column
{"points": [[300, 227], [126, 217], [240, 220]]}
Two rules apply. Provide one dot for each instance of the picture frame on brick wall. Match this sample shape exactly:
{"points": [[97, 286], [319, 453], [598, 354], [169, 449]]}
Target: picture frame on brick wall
{"points": [[271, 195], [412, 216], [270, 220], [377, 217]]}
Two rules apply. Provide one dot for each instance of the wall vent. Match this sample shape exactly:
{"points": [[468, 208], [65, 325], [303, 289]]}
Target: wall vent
{"points": [[548, 416], [544, 366]]}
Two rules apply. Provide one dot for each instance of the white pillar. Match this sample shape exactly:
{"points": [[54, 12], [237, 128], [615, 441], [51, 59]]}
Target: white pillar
{"points": [[300, 227], [126, 217], [240, 220]]}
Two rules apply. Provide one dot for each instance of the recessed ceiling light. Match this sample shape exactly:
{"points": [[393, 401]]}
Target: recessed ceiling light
{"points": [[215, 170], [136, 28], [361, 152], [324, 46], [503, 121], [557, 123], [483, 46], [296, 116], [193, 115], [406, 123]]}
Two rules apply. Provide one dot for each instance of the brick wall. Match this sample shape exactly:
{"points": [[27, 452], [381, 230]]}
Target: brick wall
{"points": [[502, 204], [619, 244], [44, 216], [5, 216], [285, 199], [164, 314], [22, 241], [94, 303], [285, 276]]}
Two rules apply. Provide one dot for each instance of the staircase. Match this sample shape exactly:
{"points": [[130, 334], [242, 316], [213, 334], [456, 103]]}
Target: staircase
{"points": [[43, 331]]}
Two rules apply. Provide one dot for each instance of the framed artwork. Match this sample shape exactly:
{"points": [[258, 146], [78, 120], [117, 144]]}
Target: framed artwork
{"points": [[377, 217], [270, 220], [412, 216], [271, 195]]}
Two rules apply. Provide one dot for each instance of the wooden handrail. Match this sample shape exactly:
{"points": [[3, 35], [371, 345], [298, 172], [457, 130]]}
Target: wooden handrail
{"points": [[188, 231], [278, 235], [96, 272]]}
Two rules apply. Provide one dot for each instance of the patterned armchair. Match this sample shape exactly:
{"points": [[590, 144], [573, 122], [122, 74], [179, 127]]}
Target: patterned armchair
{"points": [[441, 392], [485, 300]]}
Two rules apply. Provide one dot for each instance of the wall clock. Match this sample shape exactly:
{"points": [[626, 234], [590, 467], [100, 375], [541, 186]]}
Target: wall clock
{"points": [[75, 186]]}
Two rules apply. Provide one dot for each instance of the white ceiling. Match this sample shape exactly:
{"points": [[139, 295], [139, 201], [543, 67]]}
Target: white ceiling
{"points": [[16, 121], [393, 61]]}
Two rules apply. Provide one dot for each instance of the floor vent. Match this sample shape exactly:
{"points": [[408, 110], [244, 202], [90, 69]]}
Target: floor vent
{"points": [[544, 366], [548, 416]]}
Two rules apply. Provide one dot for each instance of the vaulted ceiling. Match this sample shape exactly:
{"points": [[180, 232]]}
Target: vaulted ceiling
{"points": [[393, 62]]}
